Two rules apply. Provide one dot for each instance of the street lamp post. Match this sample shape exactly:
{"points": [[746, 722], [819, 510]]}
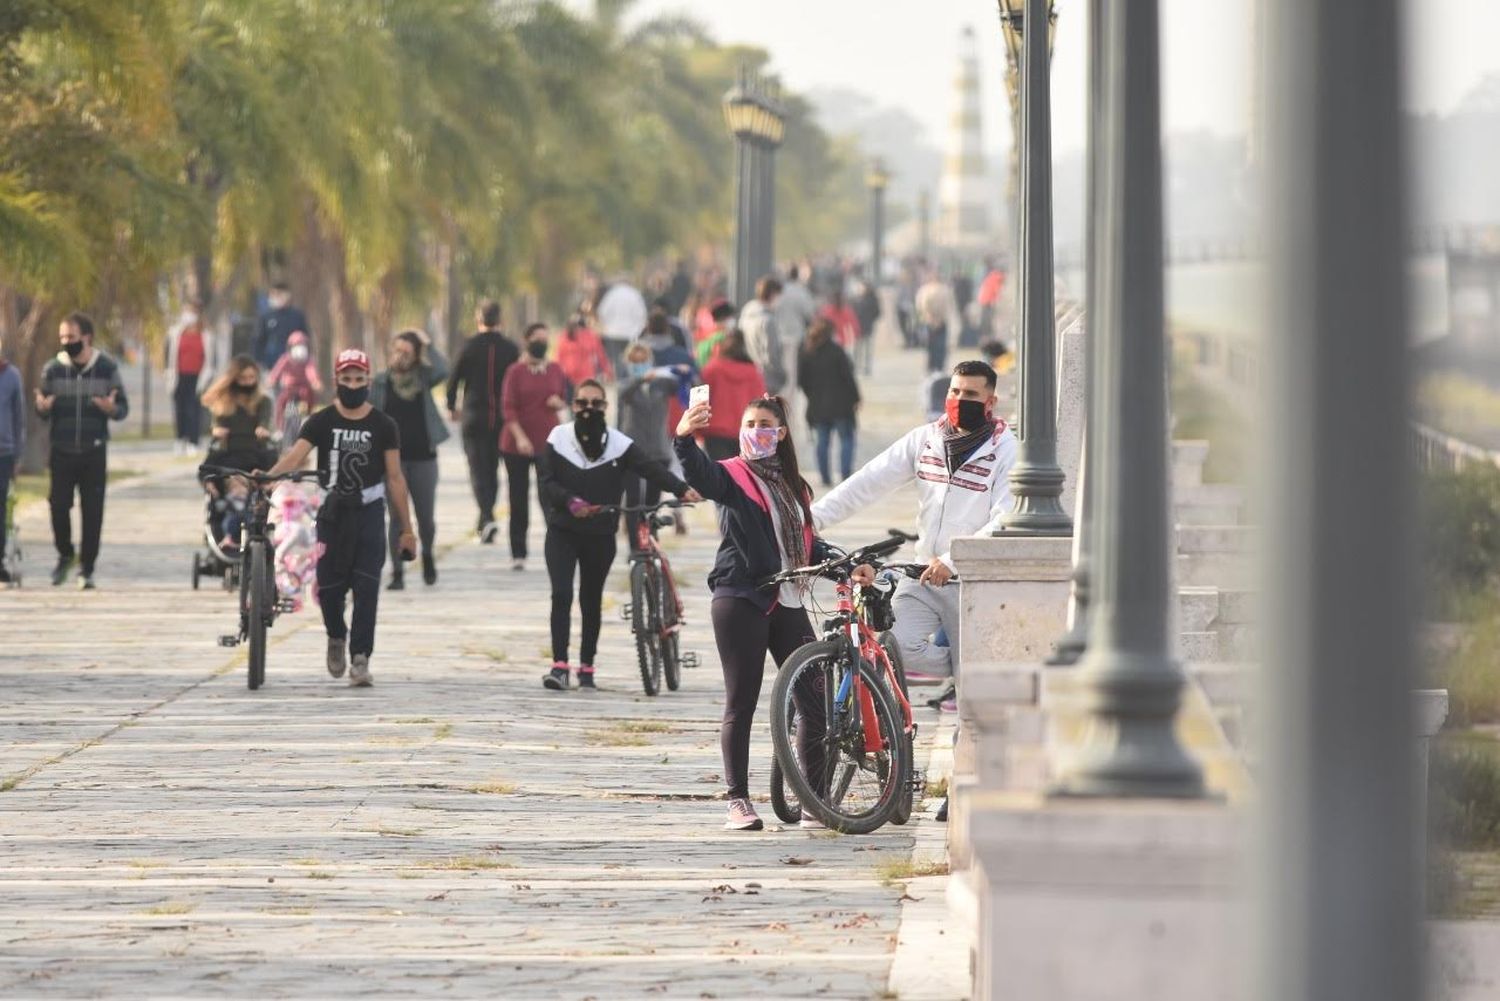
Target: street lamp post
{"points": [[877, 180], [757, 122], [1073, 643], [1134, 684], [1036, 479]]}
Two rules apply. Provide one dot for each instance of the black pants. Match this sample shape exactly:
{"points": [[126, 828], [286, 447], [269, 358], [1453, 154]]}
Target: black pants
{"points": [[518, 474], [638, 492], [592, 555], [744, 635], [363, 579], [719, 449], [187, 411], [84, 473], [937, 348], [421, 486], [483, 451], [7, 471]]}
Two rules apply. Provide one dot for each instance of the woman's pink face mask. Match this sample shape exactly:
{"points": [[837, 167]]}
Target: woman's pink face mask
{"points": [[758, 443]]}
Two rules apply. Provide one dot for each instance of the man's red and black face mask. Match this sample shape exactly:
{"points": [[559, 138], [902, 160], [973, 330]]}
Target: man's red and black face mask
{"points": [[968, 415]]}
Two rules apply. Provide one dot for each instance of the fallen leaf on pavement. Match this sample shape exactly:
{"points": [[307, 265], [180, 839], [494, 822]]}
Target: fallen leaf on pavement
{"points": [[796, 860]]}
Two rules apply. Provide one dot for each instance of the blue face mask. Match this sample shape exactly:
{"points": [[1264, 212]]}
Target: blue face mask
{"points": [[638, 369]]}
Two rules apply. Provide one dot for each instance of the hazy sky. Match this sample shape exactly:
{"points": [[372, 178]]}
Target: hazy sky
{"points": [[900, 51]]}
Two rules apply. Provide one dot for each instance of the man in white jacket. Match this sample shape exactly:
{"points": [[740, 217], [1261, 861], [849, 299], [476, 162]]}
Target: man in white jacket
{"points": [[961, 463]]}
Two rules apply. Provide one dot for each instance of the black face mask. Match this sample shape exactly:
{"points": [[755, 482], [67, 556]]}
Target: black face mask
{"points": [[589, 427], [353, 397], [537, 349], [73, 348], [244, 390], [969, 416]]}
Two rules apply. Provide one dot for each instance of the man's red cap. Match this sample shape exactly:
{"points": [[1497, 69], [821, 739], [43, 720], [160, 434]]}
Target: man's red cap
{"points": [[351, 358]]}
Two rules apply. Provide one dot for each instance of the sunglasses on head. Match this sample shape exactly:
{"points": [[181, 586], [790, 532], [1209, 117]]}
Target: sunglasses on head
{"points": [[589, 404]]}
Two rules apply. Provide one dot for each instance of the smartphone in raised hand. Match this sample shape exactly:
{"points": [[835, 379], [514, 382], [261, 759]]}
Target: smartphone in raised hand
{"points": [[697, 395]]}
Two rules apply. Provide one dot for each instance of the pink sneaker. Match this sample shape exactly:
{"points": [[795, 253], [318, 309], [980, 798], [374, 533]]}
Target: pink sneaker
{"points": [[923, 678], [742, 817]]}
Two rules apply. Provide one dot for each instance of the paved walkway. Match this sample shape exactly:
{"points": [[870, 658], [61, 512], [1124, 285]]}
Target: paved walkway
{"points": [[454, 830]]}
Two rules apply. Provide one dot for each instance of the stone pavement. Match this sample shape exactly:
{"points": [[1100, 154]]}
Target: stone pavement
{"points": [[455, 830]]}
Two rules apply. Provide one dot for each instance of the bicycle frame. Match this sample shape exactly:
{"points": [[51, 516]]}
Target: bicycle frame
{"points": [[866, 647], [648, 548]]}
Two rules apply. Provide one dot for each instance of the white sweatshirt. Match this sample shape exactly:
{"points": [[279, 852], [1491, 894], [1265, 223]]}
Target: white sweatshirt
{"points": [[972, 502]]}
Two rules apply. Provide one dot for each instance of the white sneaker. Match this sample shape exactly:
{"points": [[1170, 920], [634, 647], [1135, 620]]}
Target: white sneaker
{"points": [[742, 817], [359, 671]]}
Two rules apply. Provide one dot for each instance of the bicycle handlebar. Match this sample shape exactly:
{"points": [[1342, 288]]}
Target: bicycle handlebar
{"points": [[295, 476], [644, 508], [830, 567]]}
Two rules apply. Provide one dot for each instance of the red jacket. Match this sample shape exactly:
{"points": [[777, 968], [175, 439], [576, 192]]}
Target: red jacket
{"points": [[525, 394], [582, 356], [845, 324], [731, 386]]}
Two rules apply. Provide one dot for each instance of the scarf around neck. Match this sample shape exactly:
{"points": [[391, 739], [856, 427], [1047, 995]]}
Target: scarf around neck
{"points": [[407, 384], [959, 445], [789, 510]]}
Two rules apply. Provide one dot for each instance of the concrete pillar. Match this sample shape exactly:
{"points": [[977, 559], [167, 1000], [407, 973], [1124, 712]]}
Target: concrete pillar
{"points": [[1339, 916]]}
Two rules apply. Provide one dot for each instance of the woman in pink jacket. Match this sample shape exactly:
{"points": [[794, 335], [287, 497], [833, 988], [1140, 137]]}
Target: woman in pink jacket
{"points": [[534, 391]]}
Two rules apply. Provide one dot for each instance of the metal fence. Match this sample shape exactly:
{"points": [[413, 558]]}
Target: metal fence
{"points": [[1435, 451]]}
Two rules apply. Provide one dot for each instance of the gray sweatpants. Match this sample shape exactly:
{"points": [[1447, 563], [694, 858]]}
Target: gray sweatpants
{"points": [[921, 610], [421, 484]]}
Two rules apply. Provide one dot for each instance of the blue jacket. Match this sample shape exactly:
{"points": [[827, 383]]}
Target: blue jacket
{"points": [[748, 553], [12, 412]]}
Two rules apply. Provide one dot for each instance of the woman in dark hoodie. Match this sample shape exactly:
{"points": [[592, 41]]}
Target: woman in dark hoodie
{"points": [[581, 470], [766, 522]]}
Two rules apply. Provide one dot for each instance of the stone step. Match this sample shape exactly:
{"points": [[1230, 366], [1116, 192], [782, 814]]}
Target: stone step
{"points": [[1216, 539], [1188, 457], [1208, 504], [1225, 569]]}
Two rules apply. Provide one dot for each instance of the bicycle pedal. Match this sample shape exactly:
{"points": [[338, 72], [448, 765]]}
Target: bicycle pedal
{"points": [[285, 607], [627, 610], [690, 659], [229, 641]]}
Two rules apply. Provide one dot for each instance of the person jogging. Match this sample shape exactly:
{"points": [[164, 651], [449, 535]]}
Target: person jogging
{"points": [[80, 393], [404, 391], [359, 462], [479, 374], [961, 464], [767, 527], [580, 470]]}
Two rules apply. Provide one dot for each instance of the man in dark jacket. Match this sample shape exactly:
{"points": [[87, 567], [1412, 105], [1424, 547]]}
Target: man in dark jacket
{"points": [[480, 372], [280, 323], [80, 393]]}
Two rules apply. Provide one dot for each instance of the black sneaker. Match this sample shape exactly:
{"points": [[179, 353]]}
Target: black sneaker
{"points": [[86, 581], [556, 680], [429, 569], [4, 575], [586, 680], [398, 583], [488, 533], [60, 573]]}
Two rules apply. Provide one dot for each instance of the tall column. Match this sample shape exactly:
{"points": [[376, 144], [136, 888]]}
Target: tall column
{"points": [[1036, 479], [1134, 684], [766, 249], [743, 219], [1340, 918], [1071, 646]]}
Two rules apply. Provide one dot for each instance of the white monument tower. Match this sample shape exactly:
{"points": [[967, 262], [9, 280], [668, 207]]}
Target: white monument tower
{"points": [[964, 195]]}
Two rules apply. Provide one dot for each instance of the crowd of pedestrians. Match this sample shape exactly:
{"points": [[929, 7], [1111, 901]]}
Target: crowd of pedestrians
{"points": [[785, 365]]}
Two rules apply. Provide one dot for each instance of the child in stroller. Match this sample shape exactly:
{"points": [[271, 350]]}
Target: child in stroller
{"points": [[223, 515]]}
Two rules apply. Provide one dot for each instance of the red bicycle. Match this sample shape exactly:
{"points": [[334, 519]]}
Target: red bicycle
{"points": [[655, 610], [841, 723]]}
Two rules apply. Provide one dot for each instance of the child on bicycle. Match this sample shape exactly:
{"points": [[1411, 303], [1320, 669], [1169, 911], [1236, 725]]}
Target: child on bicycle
{"points": [[294, 378], [767, 526]]}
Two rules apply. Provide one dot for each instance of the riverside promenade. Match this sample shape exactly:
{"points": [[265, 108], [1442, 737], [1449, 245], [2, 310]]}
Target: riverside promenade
{"points": [[453, 831]]}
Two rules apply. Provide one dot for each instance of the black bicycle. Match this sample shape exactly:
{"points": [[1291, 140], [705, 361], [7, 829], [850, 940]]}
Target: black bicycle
{"points": [[260, 601], [655, 608]]}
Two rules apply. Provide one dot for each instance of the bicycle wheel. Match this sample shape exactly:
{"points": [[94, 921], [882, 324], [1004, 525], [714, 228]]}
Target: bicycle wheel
{"points": [[671, 650], [906, 802], [864, 749], [789, 811], [645, 616], [256, 611]]}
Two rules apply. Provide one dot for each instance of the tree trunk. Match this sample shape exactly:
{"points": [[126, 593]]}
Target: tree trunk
{"points": [[32, 349]]}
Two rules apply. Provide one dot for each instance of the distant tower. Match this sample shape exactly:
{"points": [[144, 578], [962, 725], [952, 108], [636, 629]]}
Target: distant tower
{"points": [[963, 195]]}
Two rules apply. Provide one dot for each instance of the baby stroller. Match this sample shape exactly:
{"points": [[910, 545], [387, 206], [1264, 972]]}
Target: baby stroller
{"points": [[215, 560], [11, 558]]}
